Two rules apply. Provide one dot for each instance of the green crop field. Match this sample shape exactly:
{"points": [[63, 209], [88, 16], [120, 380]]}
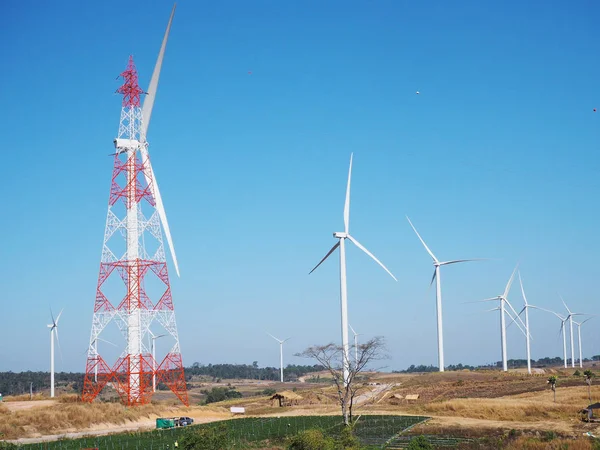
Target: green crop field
{"points": [[373, 431]]}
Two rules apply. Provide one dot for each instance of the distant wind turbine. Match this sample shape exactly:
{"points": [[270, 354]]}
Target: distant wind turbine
{"points": [[95, 343], [503, 298], [355, 344], [53, 331], [579, 338], [562, 330], [342, 236], [527, 334], [438, 293], [280, 353], [570, 319], [153, 338]]}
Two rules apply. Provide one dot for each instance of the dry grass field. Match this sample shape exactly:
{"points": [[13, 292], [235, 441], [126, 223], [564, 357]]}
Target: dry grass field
{"points": [[460, 403]]}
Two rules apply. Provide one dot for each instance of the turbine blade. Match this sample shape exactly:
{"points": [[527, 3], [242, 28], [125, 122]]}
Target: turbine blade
{"points": [[278, 340], [58, 317], [515, 312], [151, 94], [508, 285], [347, 203], [108, 342], [547, 310], [422, 241], [359, 245], [58, 342], [151, 181], [287, 339], [52, 315], [445, 263], [354, 332], [433, 277], [484, 300], [563, 302], [522, 290], [590, 318], [326, 256]]}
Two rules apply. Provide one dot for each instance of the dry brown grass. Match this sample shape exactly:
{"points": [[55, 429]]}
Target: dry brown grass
{"points": [[65, 416], [526, 407], [24, 397], [525, 443]]}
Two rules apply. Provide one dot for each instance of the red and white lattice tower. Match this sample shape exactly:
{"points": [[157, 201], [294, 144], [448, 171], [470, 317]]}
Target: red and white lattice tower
{"points": [[135, 214]]}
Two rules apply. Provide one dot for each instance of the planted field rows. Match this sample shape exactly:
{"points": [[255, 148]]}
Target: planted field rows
{"points": [[372, 430]]}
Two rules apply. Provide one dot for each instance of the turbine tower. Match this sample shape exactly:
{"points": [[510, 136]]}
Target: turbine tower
{"points": [[356, 335], [53, 331], [280, 353], [135, 213], [342, 236], [438, 293], [579, 338]]}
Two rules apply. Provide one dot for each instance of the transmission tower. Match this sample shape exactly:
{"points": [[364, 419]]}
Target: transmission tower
{"points": [[133, 251]]}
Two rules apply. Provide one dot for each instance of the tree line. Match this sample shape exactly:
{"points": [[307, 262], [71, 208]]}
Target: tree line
{"points": [[17, 383], [512, 364]]}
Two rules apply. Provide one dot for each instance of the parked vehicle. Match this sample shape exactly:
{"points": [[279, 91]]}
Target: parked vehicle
{"points": [[172, 422]]}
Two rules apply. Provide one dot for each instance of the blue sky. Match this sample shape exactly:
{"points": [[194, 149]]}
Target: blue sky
{"points": [[497, 157]]}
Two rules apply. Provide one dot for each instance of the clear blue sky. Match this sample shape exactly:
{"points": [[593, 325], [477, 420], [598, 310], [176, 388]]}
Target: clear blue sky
{"points": [[497, 157]]}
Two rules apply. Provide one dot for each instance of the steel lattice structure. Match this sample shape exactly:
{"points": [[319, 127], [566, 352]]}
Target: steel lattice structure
{"points": [[135, 215]]}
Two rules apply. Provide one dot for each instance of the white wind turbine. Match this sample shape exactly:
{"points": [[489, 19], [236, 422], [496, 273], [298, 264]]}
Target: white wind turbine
{"points": [[438, 293], [280, 353], [579, 338], [342, 236], [95, 343], [526, 311], [153, 338], [53, 331], [356, 335], [563, 320], [570, 319], [503, 298]]}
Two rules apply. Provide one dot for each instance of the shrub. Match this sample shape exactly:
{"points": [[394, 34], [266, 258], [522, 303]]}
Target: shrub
{"points": [[269, 391], [347, 440], [311, 440], [209, 438], [218, 394], [577, 373], [420, 443]]}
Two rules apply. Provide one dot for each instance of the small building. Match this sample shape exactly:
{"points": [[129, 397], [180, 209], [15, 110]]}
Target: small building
{"points": [[286, 398]]}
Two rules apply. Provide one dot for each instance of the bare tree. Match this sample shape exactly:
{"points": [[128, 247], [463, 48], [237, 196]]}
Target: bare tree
{"points": [[332, 357]]}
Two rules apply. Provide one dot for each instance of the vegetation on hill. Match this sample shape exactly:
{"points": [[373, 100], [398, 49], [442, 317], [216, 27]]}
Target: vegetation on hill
{"points": [[18, 383]]}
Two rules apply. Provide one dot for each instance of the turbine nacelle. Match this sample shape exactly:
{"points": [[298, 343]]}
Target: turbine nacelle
{"points": [[340, 235]]}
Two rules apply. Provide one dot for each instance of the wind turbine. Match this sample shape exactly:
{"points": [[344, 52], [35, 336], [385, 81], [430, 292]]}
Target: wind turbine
{"points": [[280, 353], [579, 337], [503, 298], [153, 338], [342, 236], [53, 330], [570, 319], [355, 344], [562, 330], [438, 293], [526, 311], [95, 343]]}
